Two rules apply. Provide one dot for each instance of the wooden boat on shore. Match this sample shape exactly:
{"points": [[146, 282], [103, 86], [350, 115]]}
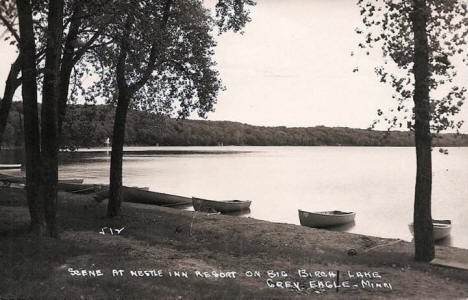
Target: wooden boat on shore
{"points": [[200, 204], [78, 188], [11, 182], [74, 180], [67, 185], [325, 218], [18, 179], [441, 228], [10, 166], [12, 179], [142, 195]]}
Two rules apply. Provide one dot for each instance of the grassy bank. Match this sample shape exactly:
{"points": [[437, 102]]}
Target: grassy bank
{"points": [[208, 257]]}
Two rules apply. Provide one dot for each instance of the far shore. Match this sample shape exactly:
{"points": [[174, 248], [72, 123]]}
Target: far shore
{"points": [[169, 253], [181, 149]]}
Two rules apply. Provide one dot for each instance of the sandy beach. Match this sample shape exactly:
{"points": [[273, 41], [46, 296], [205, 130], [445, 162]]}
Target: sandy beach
{"points": [[157, 252]]}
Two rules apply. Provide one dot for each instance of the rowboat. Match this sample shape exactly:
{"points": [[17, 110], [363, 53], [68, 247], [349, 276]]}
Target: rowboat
{"points": [[137, 195], [220, 206], [16, 184], [10, 166], [441, 228], [18, 179], [12, 179], [74, 180], [325, 218], [78, 188], [68, 185], [142, 195]]}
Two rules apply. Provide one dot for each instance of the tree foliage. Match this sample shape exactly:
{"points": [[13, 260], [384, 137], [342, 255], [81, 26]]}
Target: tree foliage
{"points": [[232, 14], [387, 27], [184, 77]]}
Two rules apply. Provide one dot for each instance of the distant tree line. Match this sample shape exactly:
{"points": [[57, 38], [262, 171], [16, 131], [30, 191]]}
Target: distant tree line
{"points": [[90, 125]]}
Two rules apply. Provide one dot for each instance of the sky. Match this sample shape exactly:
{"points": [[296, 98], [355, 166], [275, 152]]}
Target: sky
{"points": [[292, 67]]}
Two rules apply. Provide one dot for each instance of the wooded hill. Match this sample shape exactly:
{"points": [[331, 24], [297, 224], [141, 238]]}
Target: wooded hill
{"points": [[89, 126]]}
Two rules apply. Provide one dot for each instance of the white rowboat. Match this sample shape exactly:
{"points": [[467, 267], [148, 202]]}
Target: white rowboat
{"points": [[325, 218], [441, 228]]}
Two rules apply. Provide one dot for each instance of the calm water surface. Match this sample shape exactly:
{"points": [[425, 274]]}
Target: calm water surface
{"points": [[375, 182]]}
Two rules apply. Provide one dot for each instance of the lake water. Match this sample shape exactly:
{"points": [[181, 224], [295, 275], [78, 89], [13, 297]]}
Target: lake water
{"points": [[375, 182]]}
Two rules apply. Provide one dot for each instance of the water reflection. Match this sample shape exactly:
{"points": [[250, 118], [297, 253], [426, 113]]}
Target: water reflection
{"points": [[445, 241], [342, 227], [244, 213], [16, 156]]}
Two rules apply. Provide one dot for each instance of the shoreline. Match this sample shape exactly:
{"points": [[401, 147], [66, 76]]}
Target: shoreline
{"points": [[192, 254], [456, 239]]}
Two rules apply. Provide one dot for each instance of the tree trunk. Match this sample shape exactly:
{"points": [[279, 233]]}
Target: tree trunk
{"points": [[31, 123], [125, 94], [11, 84], [65, 73], [49, 142], [118, 135], [66, 70], [118, 138], [423, 230]]}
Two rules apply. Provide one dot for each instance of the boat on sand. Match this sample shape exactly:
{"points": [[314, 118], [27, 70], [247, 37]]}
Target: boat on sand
{"points": [[73, 180], [200, 204], [325, 218], [12, 179], [78, 188], [142, 195], [68, 185], [441, 228]]}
